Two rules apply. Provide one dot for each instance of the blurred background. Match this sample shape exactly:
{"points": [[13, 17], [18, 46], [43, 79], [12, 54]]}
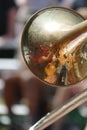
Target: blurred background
{"points": [[23, 98]]}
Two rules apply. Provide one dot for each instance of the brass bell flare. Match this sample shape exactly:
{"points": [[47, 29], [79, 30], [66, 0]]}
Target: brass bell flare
{"points": [[54, 46]]}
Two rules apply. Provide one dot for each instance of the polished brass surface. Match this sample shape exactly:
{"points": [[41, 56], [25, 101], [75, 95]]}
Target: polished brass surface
{"points": [[54, 46]]}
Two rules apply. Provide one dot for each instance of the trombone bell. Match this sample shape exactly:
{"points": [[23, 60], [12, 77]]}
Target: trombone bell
{"points": [[54, 47]]}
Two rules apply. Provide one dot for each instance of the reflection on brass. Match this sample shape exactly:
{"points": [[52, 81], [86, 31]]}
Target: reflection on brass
{"points": [[54, 46]]}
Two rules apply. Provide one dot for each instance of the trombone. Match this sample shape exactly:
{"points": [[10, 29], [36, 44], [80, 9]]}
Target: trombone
{"points": [[54, 47]]}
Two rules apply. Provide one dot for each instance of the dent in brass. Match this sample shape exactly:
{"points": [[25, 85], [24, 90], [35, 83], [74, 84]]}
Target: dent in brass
{"points": [[51, 59]]}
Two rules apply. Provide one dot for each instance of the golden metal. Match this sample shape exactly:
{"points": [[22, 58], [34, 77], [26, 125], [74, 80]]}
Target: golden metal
{"points": [[61, 111], [54, 46]]}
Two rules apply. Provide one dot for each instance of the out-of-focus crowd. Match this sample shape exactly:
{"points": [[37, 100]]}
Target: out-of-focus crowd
{"points": [[25, 98]]}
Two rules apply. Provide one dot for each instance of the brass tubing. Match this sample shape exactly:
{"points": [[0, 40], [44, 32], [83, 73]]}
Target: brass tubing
{"points": [[80, 26], [71, 47], [76, 34], [75, 31], [61, 111]]}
